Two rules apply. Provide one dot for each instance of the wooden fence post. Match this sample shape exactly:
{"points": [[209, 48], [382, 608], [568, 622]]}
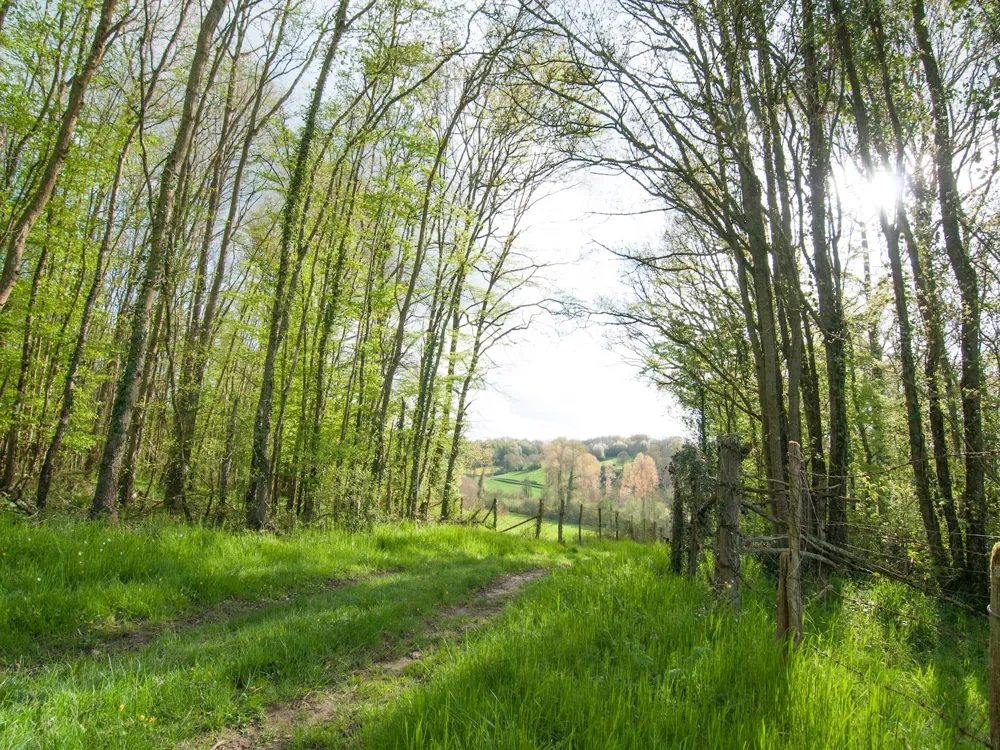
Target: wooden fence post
{"points": [[600, 531], [494, 514], [782, 615], [727, 539], [794, 583], [677, 523], [616, 525], [994, 663], [579, 525]]}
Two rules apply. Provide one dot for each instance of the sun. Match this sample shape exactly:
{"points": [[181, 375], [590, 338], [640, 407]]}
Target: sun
{"points": [[864, 197], [881, 190]]}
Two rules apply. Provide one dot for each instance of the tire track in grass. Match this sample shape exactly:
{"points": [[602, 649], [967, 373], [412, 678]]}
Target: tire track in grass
{"points": [[134, 636], [386, 672]]}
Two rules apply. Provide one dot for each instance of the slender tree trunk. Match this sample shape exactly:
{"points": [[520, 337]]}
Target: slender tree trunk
{"points": [[256, 497], [891, 232], [69, 384], [968, 286], [10, 462], [827, 281], [104, 504]]}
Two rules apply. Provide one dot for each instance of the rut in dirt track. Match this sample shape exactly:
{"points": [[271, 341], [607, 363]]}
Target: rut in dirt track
{"points": [[321, 707]]}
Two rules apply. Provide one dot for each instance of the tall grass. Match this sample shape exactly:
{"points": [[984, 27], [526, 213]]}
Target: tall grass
{"points": [[616, 653], [67, 584], [200, 678]]}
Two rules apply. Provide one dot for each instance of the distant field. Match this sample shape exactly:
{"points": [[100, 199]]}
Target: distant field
{"points": [[512, 482], [550, 528]]}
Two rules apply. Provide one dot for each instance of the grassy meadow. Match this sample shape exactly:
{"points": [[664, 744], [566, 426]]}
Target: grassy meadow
{"points": [[617, 653], [163, 634], [512, 482]]}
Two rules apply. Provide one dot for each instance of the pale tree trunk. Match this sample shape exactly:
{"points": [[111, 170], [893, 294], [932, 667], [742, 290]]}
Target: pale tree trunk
{"points": [[256, 499], [69, 385]]}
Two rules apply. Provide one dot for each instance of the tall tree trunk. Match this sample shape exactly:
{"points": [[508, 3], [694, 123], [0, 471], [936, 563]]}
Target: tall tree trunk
{"points": [[968, 286], [891, 232], [11, 451], [104, 504], [769, 373], [830, 309], [69, 384], [256, 498]]}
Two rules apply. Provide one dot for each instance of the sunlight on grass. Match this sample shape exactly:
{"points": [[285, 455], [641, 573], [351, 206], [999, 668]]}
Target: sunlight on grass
{"points": [[616, 653]]}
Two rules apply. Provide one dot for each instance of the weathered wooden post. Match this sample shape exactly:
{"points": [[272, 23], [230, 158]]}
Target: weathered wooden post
{"points": [[677, 523], [782, 615], [794, 583], [579, 525], [600, 531], [494, 514], [616, 525], [727, 539], [994, 664]]}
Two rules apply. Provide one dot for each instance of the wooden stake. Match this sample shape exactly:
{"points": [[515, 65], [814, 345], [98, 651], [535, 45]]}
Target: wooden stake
{"points": [[782, 616], [579, 525], [616, 525], [993, 677], [794, 583], [727, 540], [600, 531]]}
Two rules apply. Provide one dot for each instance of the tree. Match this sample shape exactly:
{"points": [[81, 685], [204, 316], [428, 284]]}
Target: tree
{"points": [[60, 150], [104, 504]]}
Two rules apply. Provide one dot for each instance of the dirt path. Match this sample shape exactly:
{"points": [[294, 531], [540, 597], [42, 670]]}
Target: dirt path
{"points": [[384, 675]]}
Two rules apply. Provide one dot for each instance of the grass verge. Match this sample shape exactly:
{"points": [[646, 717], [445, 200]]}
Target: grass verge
{"points": [[617, 653]]}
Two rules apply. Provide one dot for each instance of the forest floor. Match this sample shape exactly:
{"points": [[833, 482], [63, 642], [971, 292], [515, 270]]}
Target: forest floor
{"points": [[165, 635]]}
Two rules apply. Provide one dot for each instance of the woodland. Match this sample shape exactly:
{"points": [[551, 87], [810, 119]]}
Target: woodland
{"points": [[259, 257]]}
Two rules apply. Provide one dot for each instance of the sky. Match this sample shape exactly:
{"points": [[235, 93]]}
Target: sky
{"points": [[560, 378]]}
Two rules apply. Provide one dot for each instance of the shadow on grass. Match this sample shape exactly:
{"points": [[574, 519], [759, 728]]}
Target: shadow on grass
{"points": [[206, 677], [70, 585]]}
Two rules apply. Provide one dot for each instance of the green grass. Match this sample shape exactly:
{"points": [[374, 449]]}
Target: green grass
{"points": [[617, 653], [512, 482], [612, 652], [199, 679], [550, 527], [67, 584]]}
